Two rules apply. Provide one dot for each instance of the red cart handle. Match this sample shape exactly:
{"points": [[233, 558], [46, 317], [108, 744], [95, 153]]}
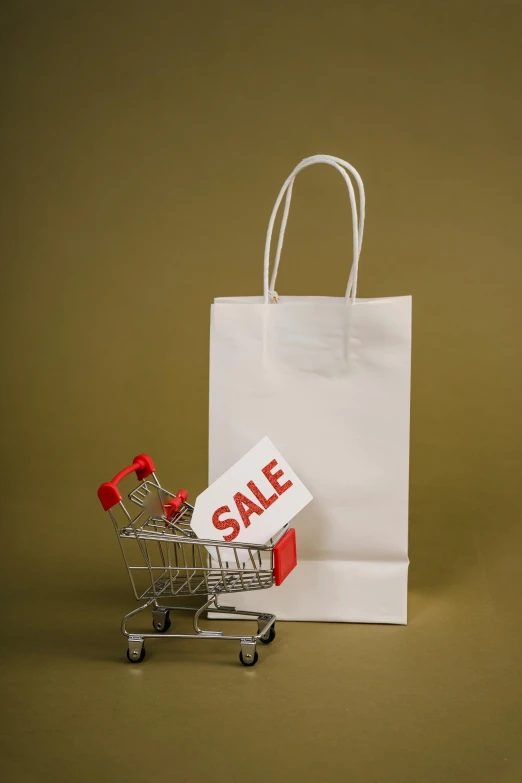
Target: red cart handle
{"points": [[173, 506], [109, 493]]}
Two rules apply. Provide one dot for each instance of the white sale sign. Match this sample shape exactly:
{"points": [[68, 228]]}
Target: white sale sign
{"points": [[252, 500]]}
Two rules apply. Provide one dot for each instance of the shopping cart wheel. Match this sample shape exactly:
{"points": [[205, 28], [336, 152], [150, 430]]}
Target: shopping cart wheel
{"points": [[136, 660], [162, 628], [136, 650], [269, 636], [253, 660], [161, 620]]}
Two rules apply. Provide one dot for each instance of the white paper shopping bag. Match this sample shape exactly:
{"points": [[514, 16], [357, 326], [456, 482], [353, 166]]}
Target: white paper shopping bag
{"points": [[328, 380]]}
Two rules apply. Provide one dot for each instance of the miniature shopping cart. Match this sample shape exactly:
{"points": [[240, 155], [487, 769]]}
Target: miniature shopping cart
{"points": [[167, 562]]}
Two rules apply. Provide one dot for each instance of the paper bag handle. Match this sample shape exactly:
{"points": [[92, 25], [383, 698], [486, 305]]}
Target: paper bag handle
{"points": [[357, 222]]}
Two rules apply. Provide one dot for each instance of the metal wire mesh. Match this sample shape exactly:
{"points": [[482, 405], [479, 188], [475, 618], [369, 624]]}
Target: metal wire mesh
{"points": [[176, 563]]}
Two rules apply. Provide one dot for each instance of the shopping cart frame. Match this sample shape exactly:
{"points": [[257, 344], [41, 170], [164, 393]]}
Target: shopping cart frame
{"points": [[184, 568]]}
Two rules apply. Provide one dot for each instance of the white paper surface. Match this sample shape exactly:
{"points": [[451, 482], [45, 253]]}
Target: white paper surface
{"points": [[251, 501], [328, 379], [330, 384]]}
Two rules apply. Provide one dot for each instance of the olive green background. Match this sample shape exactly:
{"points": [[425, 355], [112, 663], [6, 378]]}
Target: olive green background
{"points": [[143, 146]]}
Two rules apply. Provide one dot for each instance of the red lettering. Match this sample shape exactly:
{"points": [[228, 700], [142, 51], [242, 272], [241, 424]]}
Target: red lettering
{"points": [[223, 524], [246, 507], [272, 477], [265, 502]]}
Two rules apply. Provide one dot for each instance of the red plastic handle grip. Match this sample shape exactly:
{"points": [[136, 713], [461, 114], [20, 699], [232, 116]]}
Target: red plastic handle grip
{"points": [[174, 505], [109, 493]]}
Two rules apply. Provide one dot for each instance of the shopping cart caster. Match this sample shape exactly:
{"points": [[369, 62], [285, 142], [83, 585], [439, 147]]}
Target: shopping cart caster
{"points": [[249, 663], [136, 650], [269, 636], [161, 620], [248, 655]]}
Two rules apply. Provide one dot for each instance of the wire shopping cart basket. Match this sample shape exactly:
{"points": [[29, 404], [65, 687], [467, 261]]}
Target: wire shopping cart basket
{"points": [[167, 563]]}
